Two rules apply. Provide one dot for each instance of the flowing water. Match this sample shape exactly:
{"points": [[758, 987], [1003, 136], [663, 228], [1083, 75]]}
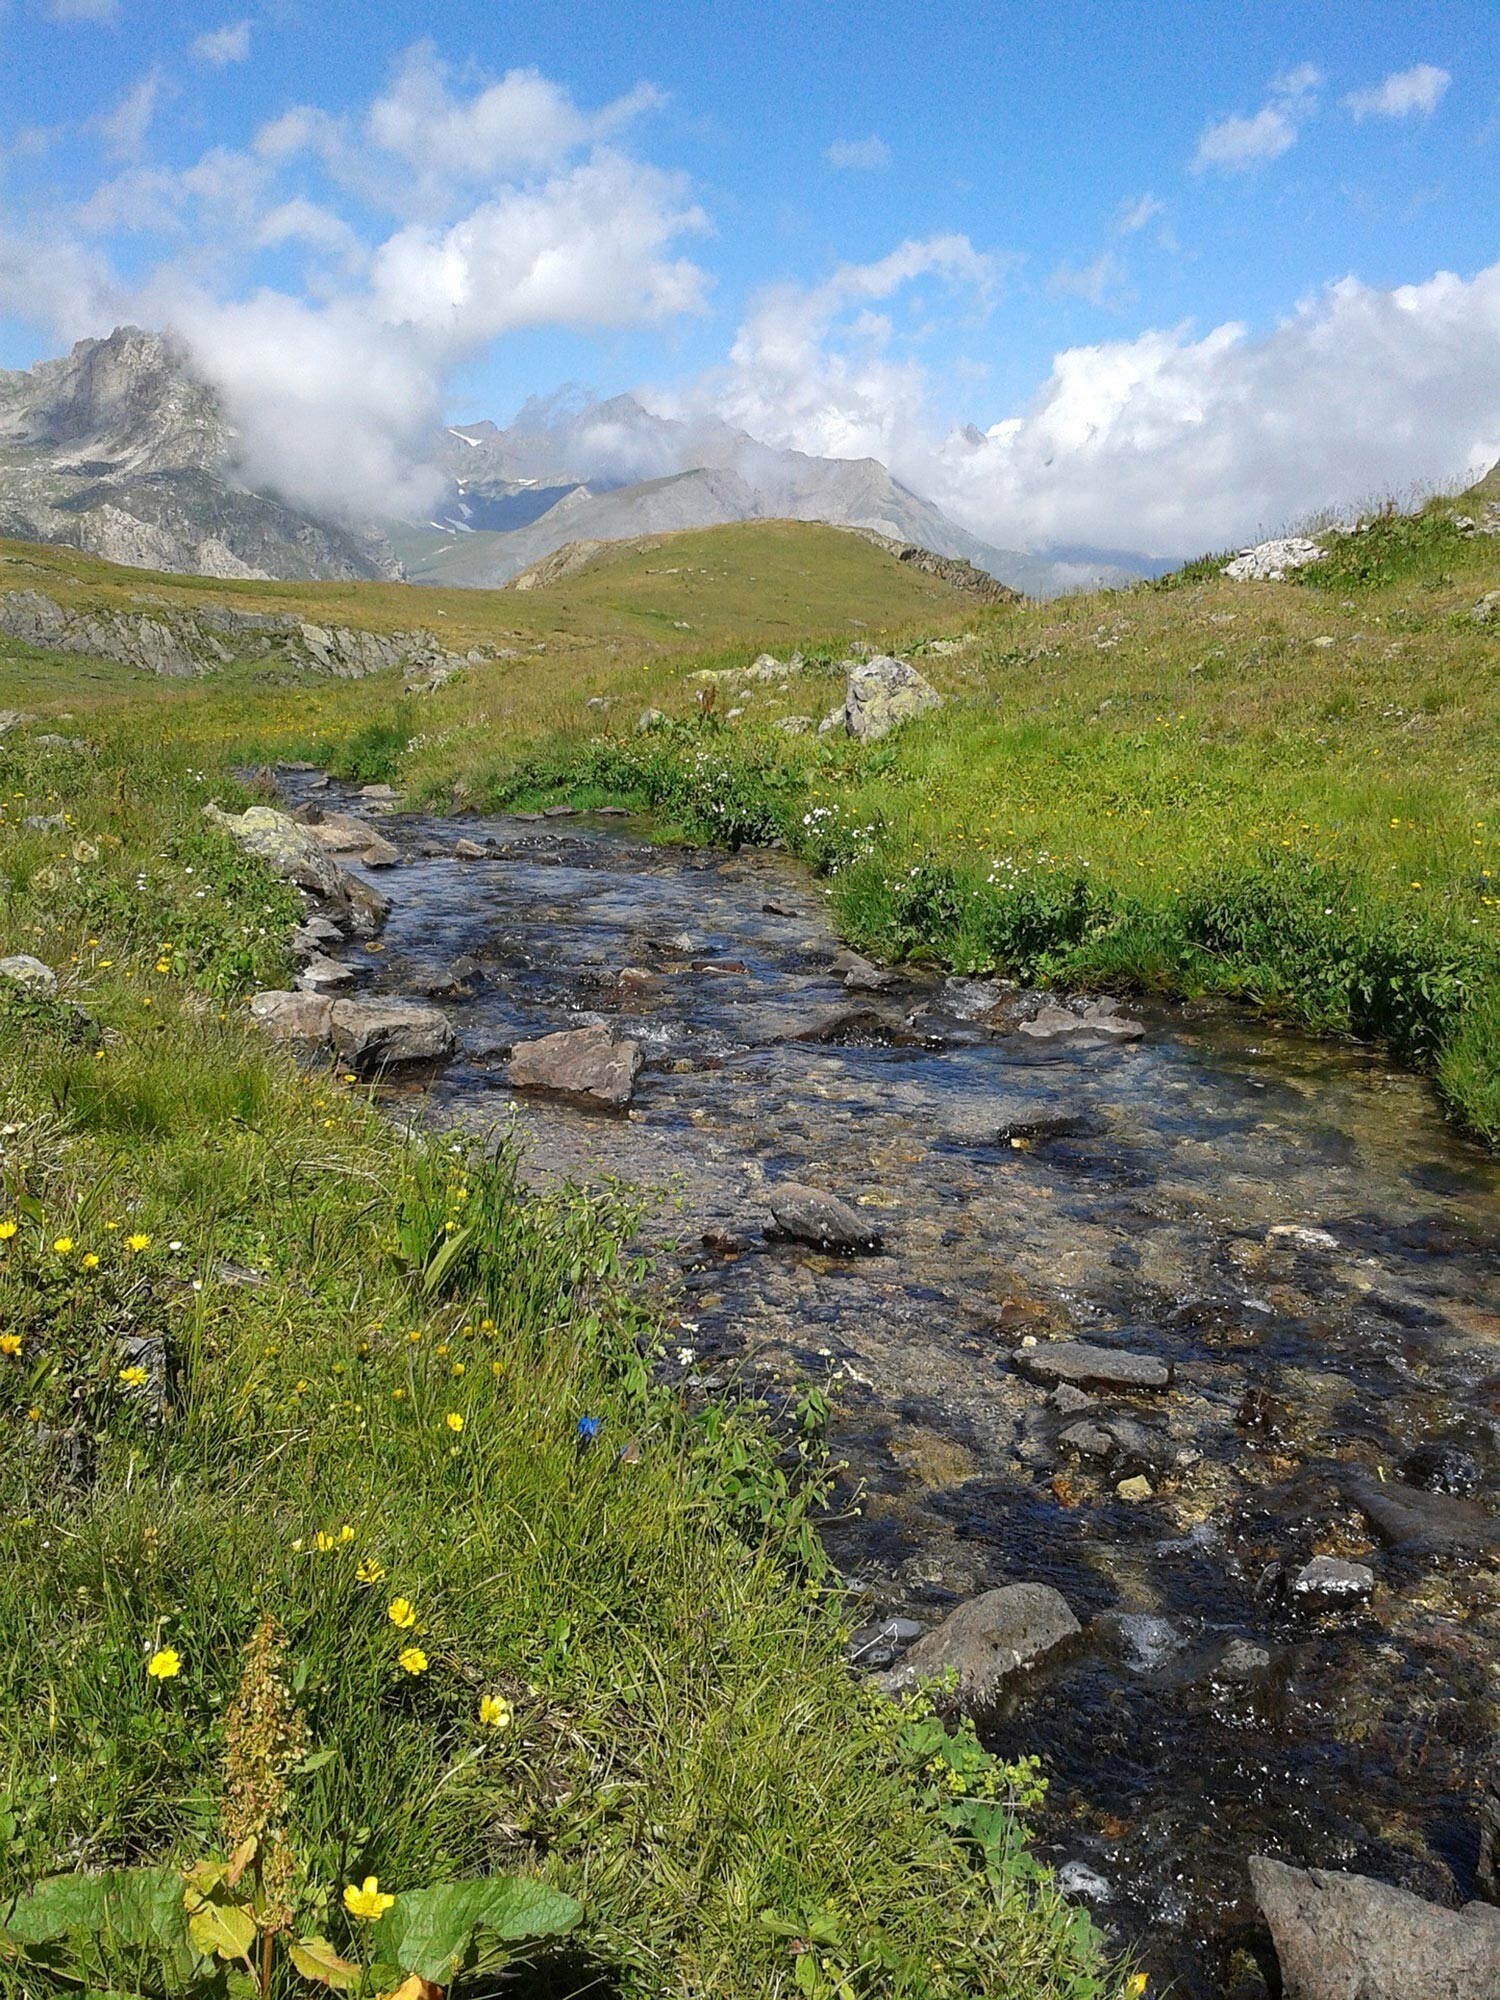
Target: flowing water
{"points": [[1126, 1194]]}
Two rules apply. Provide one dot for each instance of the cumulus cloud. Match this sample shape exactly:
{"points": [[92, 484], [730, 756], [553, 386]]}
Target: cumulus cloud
{"points": [[858, 155], [1236, 144], [1404, 94], [1168, 443], [222, 46]]}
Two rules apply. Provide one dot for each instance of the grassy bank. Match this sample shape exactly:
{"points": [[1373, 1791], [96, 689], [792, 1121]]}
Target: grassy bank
{"points": [[261, 1356], [1281, 792]]}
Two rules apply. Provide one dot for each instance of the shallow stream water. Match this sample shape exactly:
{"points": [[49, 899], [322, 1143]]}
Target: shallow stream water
{"points": [[1122, 1194]]}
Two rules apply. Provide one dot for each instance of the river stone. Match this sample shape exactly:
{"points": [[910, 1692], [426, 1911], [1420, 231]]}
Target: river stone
{"points": [[808, 1215], [293, 1017], [341, 833], [314, 935], [378, 852], [1088, 1367], [374, 1034], [585, 1063], [325, 975], [883, 692], [1441, 1468], [1299, 1236], [469, 850], [989, 1639], [860, 975], [1100, 1019], [1421, 1523], [1346, 1937], [1330, 1576], [29, 973]]}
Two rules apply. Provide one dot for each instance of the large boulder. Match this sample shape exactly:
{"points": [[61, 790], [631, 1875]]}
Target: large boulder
{"points": [[1345, 1937], [583, 1063], [293, 1017], [881, 692], [292, 851], [29, 973], [376, 1034], [1269, 562], [808, 1215], [988, 1640]]}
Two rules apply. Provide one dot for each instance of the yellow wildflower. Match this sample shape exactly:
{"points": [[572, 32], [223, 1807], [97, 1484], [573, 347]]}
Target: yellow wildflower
{"points": [[91, 1262], [401, 1614], [454, 1421], [134, 1378], [10, 1343], [139, 1241], [322, 1541], [495, 1712], [7, 1229], [63, 1245], [412, 1660], [368, 1902], [164, 1665], [346, 1533], [370, 1571]]}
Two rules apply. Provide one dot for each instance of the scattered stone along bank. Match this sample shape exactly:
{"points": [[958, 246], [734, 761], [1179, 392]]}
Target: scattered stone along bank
{"points": [[1162, 1345]]}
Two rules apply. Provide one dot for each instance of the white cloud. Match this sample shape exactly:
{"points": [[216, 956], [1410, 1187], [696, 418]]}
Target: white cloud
{"points": [[1236, 144], [858, 155], [1134, 215], [222, 46], [1402, 94], [83, 10], [1093, 282], [586, 248], [523, 122], [1168, 443], [125, 128]]}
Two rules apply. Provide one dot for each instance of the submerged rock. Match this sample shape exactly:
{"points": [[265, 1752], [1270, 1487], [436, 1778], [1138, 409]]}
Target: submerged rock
{"points": [[988, 1640], [1421, 1523], [1332, 1577], [585, 1063], [808, 1215], [1346, 1937], [1088, 1367], [1100, 1019], [1441, 1468]]}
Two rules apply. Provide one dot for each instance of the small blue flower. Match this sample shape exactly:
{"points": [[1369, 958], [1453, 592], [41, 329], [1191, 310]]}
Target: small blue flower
{"points": [[588, 1429]]}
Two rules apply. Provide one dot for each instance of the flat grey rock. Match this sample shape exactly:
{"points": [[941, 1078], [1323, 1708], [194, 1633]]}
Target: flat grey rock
{"points": [[1084, 1366], [583, 1063], [326, 975], [373, 1035], [1330, 1576], [989, 1640], [1346, 1937], [293, 1017]]}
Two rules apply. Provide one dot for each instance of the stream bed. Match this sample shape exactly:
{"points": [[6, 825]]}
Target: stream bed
{"points": [[1289, 1224]]}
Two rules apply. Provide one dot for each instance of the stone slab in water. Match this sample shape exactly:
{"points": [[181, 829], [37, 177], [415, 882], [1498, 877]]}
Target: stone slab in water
{"points": [[1088, 1367], [988, 1640], [376, 1034], [1346, 1937], [583, 1063], [1421, 1523], [809, 1215], [1330, 1576]]}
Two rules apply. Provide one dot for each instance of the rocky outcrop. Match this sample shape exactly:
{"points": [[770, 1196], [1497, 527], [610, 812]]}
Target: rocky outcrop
{"points": [[1346, 1937], [879, 694], [989, 1640], [586, 1064], [289, 850], [1269, 562], [178, 643], [954, 570]]}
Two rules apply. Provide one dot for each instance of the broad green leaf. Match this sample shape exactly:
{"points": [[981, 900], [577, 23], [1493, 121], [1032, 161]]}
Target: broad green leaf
{"points": [[136, 1906], [315, 1958], [429, 1931], [225, 1929], [316, 1761]]}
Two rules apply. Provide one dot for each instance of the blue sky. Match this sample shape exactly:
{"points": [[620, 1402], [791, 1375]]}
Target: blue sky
{"points": [[1100, 233]]}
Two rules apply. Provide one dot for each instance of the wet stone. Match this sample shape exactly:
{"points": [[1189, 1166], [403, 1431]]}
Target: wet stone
{"points": [[1084, 1366], [1332, 1577], [1441, 1468], [989, 1640], [808, 1215], [1421, 1523], [1346, 1937], [581, 1063], [326, 975]]}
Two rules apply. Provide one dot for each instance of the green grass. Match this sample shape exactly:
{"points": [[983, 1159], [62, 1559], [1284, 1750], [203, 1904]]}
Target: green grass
{"points": [[689, 1755]]}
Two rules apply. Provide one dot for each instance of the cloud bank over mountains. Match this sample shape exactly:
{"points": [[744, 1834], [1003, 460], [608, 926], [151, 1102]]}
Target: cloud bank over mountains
{"points": [[334, 272]]}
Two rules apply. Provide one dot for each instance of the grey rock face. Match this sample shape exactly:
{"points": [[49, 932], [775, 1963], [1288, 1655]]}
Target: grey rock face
{"points": [[29, 973], [583, 1063], [372, 1035], [1097, 1020], [325, 975], [880, 693], [290, 850], [1346, 1937], [808, 1215], [1269, 562], [293, 1017], [122, 449], [989, 1639], [1088, 1367]]}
